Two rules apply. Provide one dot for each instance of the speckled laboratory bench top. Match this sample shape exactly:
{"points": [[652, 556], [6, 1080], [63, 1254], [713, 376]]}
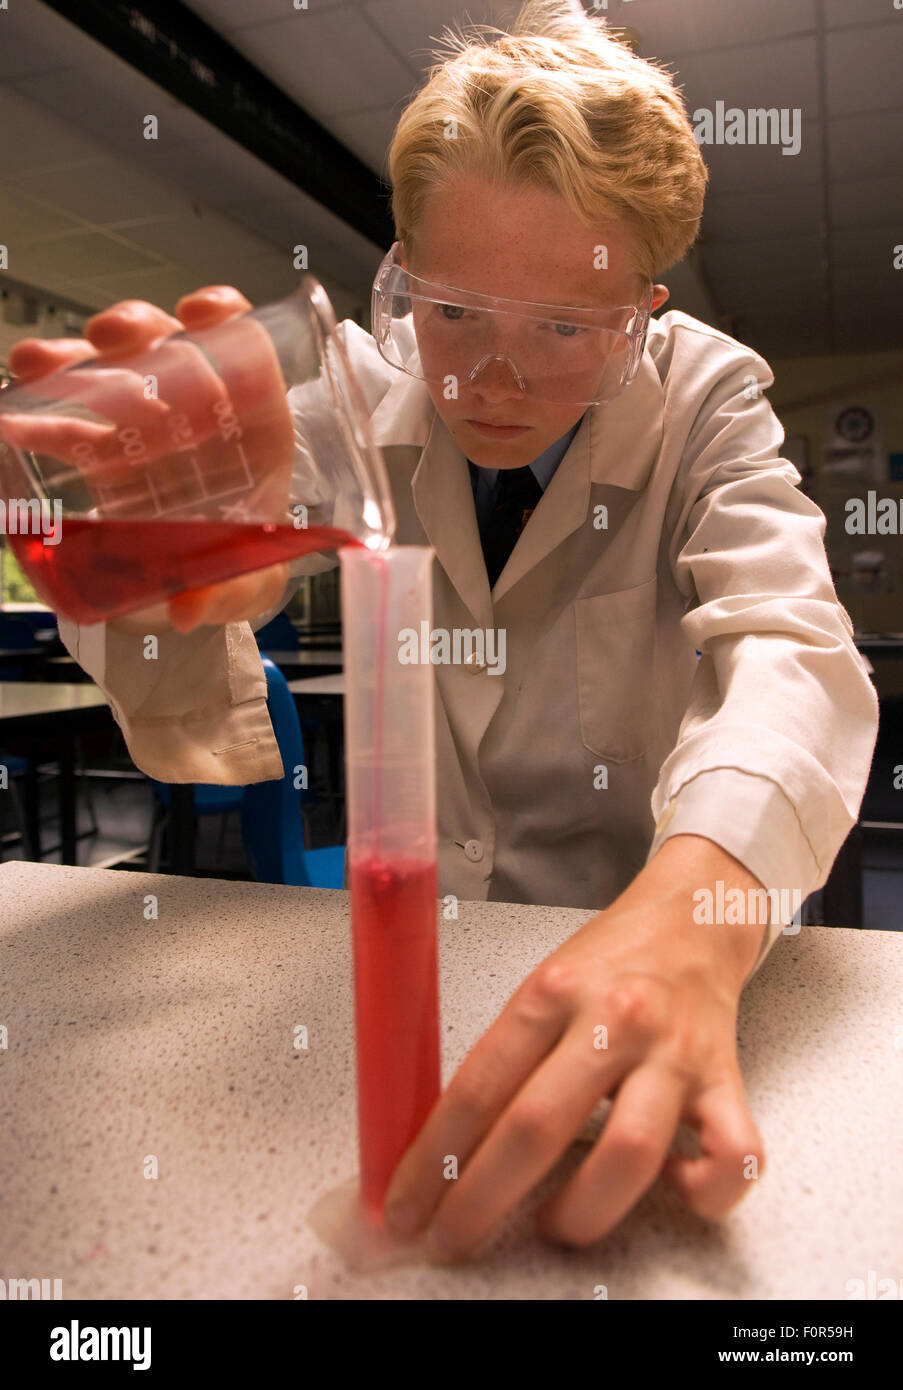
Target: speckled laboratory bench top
{"points": [[130, 1037]]}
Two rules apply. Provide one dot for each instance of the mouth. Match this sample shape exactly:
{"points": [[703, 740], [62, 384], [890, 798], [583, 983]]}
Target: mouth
{"points": [[497, 430]]}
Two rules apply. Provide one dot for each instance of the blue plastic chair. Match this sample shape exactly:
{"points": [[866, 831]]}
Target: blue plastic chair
{"points": [[271, 821], [279, 635], [209, 800]]}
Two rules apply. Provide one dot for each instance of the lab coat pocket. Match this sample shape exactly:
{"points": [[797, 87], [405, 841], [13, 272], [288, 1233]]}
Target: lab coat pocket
{"points": [[615, 664]]}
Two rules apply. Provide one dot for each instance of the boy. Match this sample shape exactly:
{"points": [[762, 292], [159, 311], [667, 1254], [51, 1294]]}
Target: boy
{"points": [[682, 703]]}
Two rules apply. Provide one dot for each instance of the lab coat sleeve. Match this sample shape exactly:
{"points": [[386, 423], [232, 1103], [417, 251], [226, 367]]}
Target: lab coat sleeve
{"points": [[192, 706], [774, 750], [191, 709]]}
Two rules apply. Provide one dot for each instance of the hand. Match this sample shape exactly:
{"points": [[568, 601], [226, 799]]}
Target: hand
{"points": [[250, 386], [666, 990]]}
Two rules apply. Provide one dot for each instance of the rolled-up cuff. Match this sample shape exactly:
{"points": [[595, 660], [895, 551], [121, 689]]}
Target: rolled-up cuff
{"points": [[752, 819], [230, 747]]}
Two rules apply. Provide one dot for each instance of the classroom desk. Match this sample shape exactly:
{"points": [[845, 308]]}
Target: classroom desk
{"points": [[174, 1037], [29, 660], [319, 685], [34, 713], [322, 662]]}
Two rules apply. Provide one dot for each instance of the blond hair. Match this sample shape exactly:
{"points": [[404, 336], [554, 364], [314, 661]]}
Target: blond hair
{"points": [[562, 103]]}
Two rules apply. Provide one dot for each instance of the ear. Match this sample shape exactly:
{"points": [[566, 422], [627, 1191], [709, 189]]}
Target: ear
{"points": [[660, 293]]}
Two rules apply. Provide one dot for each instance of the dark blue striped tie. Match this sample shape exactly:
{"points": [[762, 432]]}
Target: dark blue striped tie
{"points": [[517, 493]]}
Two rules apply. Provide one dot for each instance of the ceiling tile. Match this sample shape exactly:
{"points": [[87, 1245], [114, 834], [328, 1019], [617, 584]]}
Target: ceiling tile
{"points": [[24, 220], [856, 204], [110, 101], [281, 220], [329, 62], [863, 68], [841, 14], [83, 255], [193, 240], [161, 285], [752, 167], [264, 281], [781, 259], [859, 331], [218, 168], [857, 246], [369, 134], [763, 75], [36, 40], [860, 147], [414, 30], [223, 15], [798, 293], [875, 283], [666, 28], [292, 220], [785, 335], [103, 190], [33, 138], [739, 216]]}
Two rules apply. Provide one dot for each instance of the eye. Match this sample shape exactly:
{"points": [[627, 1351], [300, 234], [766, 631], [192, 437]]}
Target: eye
{"points": [[452, 312], [566, 330]]}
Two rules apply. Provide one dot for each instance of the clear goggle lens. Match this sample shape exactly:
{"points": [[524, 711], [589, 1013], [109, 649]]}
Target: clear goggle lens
{"points": [[444, 335]]}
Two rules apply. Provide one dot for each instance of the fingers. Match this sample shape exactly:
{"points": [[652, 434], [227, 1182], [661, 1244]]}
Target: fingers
{"points": [[733, 1154], [490, 1076], [126, 327], [116, 397], [34, 357], [61, 438], [211, 305], [234, 601], [129, 326], [625, 1161], [527, 1141]]}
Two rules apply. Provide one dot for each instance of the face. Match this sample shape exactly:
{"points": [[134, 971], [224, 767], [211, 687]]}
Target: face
{"points": [[526, 244]]}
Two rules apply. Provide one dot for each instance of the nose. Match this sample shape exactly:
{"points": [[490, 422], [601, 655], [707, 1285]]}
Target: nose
{"points": [[496, 378]]}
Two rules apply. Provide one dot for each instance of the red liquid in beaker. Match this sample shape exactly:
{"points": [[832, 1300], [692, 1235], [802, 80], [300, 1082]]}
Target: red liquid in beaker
{"points": [[393, 920], [101, 569]]}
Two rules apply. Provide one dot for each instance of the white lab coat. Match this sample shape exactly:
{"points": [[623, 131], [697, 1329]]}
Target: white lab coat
{"points": [[606, 733]]}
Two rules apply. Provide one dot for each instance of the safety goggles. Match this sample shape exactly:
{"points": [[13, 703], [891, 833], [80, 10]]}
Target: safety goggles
{"points": [[455, 338]]}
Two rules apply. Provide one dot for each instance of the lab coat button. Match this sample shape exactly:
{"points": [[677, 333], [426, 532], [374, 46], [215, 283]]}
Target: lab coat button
{"points": [[474, 850]]}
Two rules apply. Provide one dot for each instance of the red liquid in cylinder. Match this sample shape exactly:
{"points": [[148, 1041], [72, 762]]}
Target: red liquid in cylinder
{"points": [[393, 920], [101, 569]]}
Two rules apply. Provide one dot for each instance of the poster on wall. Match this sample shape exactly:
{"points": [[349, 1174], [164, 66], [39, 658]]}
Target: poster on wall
{"points": [[853, 450]]}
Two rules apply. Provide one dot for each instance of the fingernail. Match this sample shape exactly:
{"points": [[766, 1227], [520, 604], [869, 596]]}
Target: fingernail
{"points": [[403, 1218]]}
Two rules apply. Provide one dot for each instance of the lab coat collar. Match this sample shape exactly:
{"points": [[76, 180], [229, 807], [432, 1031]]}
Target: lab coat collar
{"points": [[616, 444]]}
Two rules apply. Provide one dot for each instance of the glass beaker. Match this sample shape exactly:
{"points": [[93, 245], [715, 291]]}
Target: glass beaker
{"points": [[207, 455]]}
